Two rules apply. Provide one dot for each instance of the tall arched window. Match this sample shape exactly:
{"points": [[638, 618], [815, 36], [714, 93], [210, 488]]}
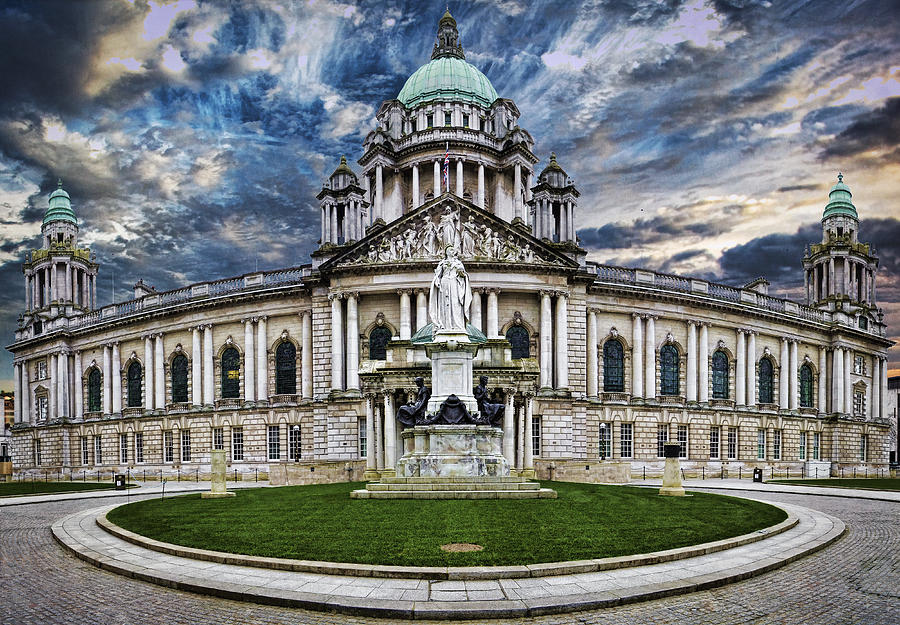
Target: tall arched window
{"points": [[180, 379], [95, 381], [720, 375], [378, 340], [766, 381], [286, 369], [134, 384], [518, 338], [231, 373], [668, 370], [806, 386], [613, 367]]}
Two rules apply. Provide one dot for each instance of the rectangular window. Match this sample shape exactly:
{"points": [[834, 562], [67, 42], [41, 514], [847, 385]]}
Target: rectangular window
{"points": [[801, 452], [37, 452], [776, 444], [294, 441], [237, 443], [605, 440], [43, 405], [412, 125], [185, 445], [714, 433], [662, 437], [863, 447], [535, 437], [168, 447], [123, 448], [363, 439], [626, 440], [732, 443], [817, 440], [683, 441], [448, 119], [859, 365], [98, 450], [274, 435], [42, 370], [218, 438], [859, 403], [465, 120], [85, 458], [760, 444], [429, 119], [139, 447]]}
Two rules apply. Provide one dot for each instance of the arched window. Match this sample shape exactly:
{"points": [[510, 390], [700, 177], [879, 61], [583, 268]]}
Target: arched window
{"points": [[378, 340], [231, 373], [134, 385], [765, 381], [613, 367], [286, 369], [518, 338], [720, 375], [95, 382], [806, 386], [668, 370], [180, 379]]}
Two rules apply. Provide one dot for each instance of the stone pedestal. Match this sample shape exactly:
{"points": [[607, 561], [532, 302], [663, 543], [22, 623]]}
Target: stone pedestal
{"points": [[818, 469], [217, 476], [672, 472], [452, 451], [451, 355]]}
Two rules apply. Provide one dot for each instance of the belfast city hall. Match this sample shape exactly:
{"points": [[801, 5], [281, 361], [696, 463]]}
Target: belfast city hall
{"points": [[300, 373]]}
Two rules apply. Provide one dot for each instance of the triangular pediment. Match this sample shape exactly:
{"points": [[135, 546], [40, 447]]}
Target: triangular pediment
{"points": [[423, 234]]}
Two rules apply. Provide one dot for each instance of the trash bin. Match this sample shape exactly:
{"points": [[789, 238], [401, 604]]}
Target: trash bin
{"points": [[757, 475], [120, 481]]}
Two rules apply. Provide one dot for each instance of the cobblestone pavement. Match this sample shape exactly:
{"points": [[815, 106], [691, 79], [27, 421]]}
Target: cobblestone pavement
{"points": [[856, 580]]}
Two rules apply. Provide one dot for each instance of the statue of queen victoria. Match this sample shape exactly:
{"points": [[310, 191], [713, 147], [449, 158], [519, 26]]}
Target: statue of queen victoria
{"points": [[451, 295]]}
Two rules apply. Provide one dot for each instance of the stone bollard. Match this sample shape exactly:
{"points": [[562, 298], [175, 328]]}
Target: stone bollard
{"points": [[217, 476], [672, 473]]}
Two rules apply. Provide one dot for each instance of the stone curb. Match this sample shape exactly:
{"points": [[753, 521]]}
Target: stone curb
{"points": [[455, 573]]}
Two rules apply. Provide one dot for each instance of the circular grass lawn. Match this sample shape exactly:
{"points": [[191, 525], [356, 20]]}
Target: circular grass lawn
{"points": [[321, 522]]}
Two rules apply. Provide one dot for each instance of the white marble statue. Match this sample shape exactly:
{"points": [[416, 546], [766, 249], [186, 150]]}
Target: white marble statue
{"points": [[451, 293], [449, 228]]}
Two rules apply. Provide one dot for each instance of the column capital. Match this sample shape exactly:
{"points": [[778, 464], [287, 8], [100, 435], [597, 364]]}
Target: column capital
{"points": [[305, 312], [529, 395], [248, 320], [637, 315], [206, 326], [335, 295], [404, 291], [691, 322], [546, 292], [509, 391], [387, 392], [649, 316], [423, 291], [351, 295], [147, 336], [562, 294]]}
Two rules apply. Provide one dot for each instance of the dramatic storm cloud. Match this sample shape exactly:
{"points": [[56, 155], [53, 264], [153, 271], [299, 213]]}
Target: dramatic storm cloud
{"points": [[193, 136]]}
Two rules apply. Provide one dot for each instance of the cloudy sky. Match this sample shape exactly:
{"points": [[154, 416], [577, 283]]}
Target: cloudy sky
{"points": [[192, 136]]}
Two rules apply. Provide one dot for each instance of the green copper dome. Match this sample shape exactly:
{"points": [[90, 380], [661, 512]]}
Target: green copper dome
{"points": [[840, 200], [447, 78], [60, 207]]}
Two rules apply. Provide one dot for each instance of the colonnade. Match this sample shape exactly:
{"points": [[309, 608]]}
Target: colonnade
{"points": [[343, 221], [554, 340], [546, 226], [60, 281], [856, 280]]}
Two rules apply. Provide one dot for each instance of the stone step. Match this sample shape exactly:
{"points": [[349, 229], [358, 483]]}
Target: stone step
{"points": [[543, 493], [508, 479], [382, 486]]}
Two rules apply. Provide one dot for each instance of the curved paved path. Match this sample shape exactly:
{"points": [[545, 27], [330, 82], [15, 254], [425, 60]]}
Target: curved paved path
{"points": [[856, 580]]}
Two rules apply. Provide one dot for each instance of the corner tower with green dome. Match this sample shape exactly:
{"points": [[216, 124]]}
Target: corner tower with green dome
{"points": [[840, 271]]}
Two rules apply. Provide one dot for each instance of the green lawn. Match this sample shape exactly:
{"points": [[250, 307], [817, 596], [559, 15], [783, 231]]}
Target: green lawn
{"points": [[8, 489], [874, 483], [321, 522]]}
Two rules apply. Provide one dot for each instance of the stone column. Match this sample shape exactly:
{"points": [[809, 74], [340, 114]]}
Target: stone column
{"points": [[62, 384], [691, 373], [520, 422], [249, 368], [837, 380], [196, 369], [159, 373], [740, 386], [379, 193], [459, 177], [831, 289], [421, 309], [437, 178], [751, 367], [546, 341], [93, 291], [875, 411], [704, 363], [517, 190], [306, 360], [563, 222], [68, 285], [415, 186], [26, 393], [405, 315], [562, 340], [371, 473], [572, 236], [509, 433], [793, 381], [637, 356], [53, 383], [262, 361], [480, 202], [390, 436], [335, 230], [529, 182], [783, 388], [337, 342], [18, 392], [848, 389], [379, 440], [323, 219], [536, 220], [476, 309], [209, 386], [493, 320], [353, 339], [650, 359], [78, 389], [149, 396], [823, 381], [107, 379], [593, 372], [117, 379], [529, 448], [883, 391]]}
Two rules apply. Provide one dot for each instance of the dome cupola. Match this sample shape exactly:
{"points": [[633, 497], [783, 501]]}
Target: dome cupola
{"points": [[840, 201], [60, 208]]}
